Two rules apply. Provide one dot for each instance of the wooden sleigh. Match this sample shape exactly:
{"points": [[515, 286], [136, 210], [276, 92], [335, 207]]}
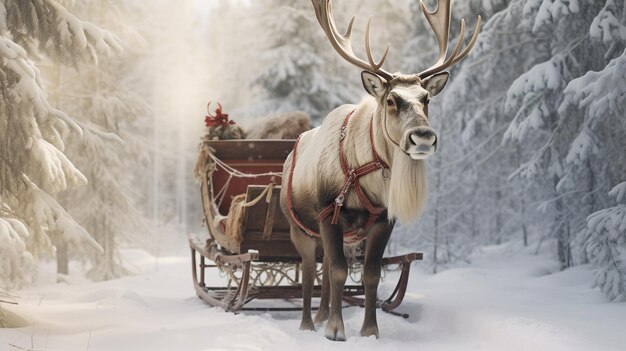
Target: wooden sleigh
{"points": [[250, 246]]}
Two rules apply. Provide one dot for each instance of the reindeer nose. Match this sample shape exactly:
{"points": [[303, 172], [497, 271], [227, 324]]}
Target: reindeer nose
{"points": [[423, 136]]}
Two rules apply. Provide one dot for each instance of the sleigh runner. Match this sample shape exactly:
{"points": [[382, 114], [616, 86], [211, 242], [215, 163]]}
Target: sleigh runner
{"points": [[249, 242]]}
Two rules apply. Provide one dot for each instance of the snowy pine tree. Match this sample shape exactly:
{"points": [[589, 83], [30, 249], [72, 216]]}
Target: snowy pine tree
{"points": [[603, 243], [529, 82], [277, 58], [33, 165], [539, 100], [102, 97], [294, 66], [462, 210]]}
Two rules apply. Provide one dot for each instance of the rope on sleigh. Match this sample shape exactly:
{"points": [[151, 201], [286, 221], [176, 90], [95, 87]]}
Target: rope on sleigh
{"points": [[236, 173], [207, 163]]}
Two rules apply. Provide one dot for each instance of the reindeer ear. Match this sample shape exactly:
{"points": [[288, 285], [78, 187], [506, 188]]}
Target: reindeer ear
{"points": [[374, 84], [435, 83]]}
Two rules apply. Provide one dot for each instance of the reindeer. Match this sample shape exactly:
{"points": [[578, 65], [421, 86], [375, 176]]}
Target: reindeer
{"points": [[362, 169]]}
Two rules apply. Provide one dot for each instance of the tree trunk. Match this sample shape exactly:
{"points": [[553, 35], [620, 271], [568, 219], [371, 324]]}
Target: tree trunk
{"points": [[498, 211], [61, 246], [562, 232], [62, 259], [523, 219]]}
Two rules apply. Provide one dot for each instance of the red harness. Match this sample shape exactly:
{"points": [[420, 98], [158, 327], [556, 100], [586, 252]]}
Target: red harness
{"points": [[352, 177]]}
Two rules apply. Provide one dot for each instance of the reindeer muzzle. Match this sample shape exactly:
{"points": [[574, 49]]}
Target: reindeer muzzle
{"points": [[420, 143]]}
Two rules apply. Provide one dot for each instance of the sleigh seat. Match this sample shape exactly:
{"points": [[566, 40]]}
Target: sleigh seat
{"points": [[255, 222]]}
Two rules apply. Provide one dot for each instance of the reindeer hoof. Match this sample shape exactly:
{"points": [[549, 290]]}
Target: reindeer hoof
{"points": [[307, 325], [335, 330], [369, 331]]}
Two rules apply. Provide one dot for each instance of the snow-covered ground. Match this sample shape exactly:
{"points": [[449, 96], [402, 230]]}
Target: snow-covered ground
{"points": [[502, 301]]}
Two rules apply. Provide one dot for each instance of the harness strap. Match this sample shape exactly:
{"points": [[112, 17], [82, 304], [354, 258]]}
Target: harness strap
{"points": [[353, 177], [352, 181]]}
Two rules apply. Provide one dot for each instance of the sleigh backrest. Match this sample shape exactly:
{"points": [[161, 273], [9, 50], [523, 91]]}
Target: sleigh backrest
{"points": [[247, 156], [265, 228]]}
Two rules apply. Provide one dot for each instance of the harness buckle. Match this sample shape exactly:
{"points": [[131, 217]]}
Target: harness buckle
{"points": [[386, 173], [343, 132], [340, 199]]}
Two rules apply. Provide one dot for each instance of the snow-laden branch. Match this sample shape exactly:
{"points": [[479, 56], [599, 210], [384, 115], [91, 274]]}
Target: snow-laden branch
{"points": [[606, 26], [601, 92], [28, 87], [546, 12], [15, 259], [604, 243], [619, 192], [48, 211], [59, 33]]}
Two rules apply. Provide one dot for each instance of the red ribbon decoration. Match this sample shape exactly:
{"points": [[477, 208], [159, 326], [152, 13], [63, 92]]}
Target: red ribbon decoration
{"points": [[220, 119]]}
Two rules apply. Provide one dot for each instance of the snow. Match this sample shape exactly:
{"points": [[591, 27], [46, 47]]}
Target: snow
{"points": [[583, 147], [525, 94], [604, 243], [543, 76], [602, 91], [56, 166], [13, 234], [45, 209], [619, 192], [505, 300], [84, 34], [606, 26], [552, 10]]}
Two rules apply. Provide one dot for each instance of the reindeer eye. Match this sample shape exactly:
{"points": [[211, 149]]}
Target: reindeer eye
{"points": [[390, 102]]}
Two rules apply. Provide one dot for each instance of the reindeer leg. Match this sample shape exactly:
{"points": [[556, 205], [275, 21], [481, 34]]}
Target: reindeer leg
{"points": [[306, 247], [332, 240], [322, 312], [377, 239]]}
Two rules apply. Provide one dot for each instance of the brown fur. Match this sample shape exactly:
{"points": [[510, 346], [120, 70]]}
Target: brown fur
{"points": [[282, 126], [224, 132], [409, 79]]}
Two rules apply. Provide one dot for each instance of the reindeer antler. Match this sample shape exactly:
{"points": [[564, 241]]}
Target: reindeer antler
{"points": [[439, 21], [343, 43]]}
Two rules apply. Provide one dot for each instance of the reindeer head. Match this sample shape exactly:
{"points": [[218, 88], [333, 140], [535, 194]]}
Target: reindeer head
{"points": [[403, 99]]}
